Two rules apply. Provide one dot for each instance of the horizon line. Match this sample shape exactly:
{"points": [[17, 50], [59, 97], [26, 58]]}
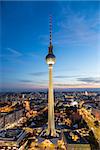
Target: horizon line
{"points": [[29, 90]]}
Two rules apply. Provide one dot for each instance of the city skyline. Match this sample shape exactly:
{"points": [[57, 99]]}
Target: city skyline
{"points": [[25, 39]]}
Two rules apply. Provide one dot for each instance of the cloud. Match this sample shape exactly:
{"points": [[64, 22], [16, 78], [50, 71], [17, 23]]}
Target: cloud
{"points": [[10, 54], [81, 85], [26, 81], [76, 28], [89, 80], [15, 52], [41, 82], [62, 77], [38, 73], [16, 56], [65, 85]]}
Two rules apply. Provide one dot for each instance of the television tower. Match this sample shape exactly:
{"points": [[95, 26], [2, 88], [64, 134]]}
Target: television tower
{"points": [[50, 60]]}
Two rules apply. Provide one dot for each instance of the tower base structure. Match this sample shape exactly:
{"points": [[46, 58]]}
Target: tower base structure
{"points": [[46, 134]]}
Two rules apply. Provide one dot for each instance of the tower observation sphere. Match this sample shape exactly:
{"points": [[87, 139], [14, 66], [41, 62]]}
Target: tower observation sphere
{"points": [[50, 59]]}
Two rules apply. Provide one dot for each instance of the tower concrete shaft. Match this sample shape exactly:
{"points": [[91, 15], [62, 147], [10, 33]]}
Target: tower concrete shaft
{"points": [[50, 60], [51, 122]]}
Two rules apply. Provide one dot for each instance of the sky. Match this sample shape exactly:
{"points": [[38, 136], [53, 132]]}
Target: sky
{"points": [[25, 40]]}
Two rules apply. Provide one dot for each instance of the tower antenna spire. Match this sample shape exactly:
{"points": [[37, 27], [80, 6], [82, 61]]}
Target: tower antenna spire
{"points": [[50, 50], [50, 30]]}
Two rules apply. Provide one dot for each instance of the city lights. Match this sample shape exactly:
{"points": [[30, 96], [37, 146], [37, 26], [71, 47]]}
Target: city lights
{"points": [[50, 100]]}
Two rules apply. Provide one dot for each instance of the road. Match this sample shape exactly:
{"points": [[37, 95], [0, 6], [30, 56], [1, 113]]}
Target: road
{"points": [[90, 122]]}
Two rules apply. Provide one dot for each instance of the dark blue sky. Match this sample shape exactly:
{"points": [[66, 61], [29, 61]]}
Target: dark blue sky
{"points": [[25, 39]]}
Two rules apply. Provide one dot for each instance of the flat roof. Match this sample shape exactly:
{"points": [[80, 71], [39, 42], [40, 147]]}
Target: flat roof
{"points": [[12, 137], [12, 111], [11, 134], [70, 135], [3, 105]]}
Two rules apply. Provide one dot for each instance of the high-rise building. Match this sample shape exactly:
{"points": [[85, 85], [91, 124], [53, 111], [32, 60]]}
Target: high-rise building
{"points": [[27, 104], [50, 60]]}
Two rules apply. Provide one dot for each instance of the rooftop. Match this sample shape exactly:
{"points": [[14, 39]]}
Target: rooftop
{"points": [[72, 137], [11, 134]]}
